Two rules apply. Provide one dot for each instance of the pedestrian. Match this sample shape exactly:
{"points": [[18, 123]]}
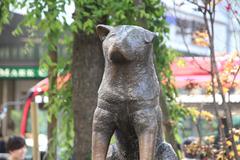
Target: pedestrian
{"points": [[3, 151], [16, 148]]}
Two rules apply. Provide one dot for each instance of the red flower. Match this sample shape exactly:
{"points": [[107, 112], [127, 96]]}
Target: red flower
{"points": [[228, 7]]}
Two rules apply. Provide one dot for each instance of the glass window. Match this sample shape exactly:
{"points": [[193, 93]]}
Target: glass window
{"points": [[4, 53], [14, 53]]}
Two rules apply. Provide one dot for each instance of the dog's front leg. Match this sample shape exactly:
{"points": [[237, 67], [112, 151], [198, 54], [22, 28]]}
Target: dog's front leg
{"points": [[147, 144], [103, 128], [145, 124]]}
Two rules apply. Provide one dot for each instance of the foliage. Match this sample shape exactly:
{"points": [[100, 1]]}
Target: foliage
{"points": [[4, 12], [177, 112], [89, 13], [43, 16], [228, 75], [201, 114], [209, 148], [60, 106]]}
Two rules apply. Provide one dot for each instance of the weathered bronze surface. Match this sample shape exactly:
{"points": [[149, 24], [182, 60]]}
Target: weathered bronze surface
{"points": [[128, 98]]}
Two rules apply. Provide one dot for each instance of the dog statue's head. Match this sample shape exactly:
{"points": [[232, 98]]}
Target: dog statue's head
{"points": [[125, 43]]}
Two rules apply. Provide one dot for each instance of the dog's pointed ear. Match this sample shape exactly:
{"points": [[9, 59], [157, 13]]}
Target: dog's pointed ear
{"points": [[149, 36], [103, 30]]}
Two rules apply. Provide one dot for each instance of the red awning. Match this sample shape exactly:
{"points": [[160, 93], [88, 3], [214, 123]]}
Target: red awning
{"points": [[197, 70], [182, 81], [194, 66]]}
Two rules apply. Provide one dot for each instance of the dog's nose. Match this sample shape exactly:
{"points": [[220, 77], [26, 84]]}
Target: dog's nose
{"points": [[115, 54]]}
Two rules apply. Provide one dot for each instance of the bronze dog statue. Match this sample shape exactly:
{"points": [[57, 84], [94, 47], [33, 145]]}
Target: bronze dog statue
{"points": [[128, 98]]}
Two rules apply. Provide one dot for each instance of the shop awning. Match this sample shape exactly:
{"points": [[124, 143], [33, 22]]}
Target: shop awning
{"points": [[188, 70]]}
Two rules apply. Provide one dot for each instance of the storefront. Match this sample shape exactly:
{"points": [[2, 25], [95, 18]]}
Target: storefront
{"points": [[15, 81], [19, 69]]}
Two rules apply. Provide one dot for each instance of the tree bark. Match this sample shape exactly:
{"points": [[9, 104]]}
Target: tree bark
{"points": [[87, 71], [52, 125]]}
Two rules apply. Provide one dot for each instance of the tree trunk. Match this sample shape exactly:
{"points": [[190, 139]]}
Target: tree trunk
{"points": [[209, 11], [52, 125], [87, 71]]}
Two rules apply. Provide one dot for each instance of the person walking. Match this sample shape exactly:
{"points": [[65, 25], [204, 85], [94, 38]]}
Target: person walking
{"points": [[16, 147]]}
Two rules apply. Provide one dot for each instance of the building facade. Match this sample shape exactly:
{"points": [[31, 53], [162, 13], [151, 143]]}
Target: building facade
{"points": [[188, 31], [19, 62], [188, 36]]}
